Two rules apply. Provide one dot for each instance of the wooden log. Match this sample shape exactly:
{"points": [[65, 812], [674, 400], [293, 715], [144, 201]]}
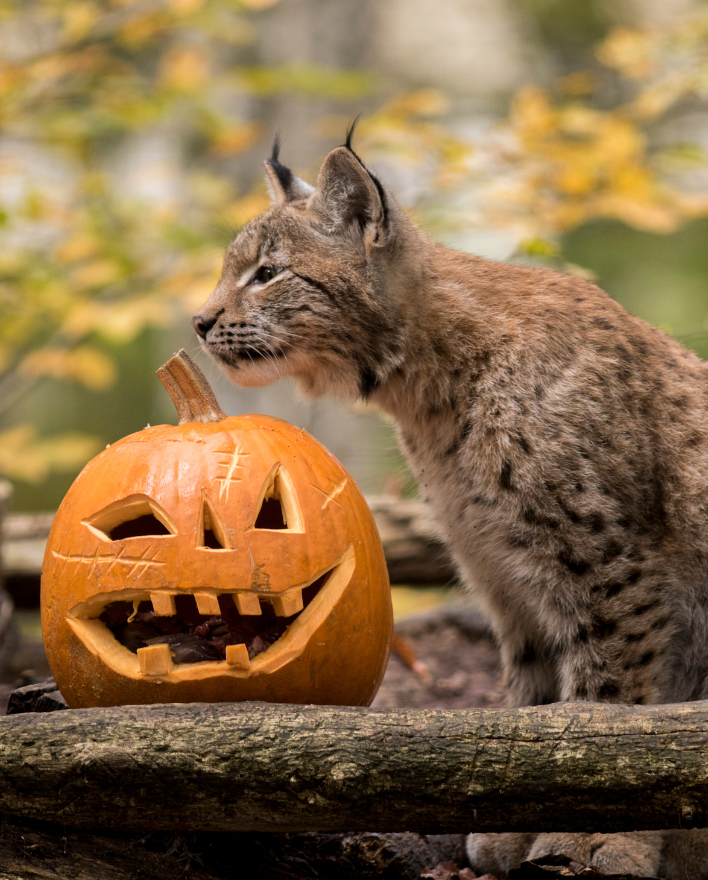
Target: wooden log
{"points": [[414, 553], [258, 767]]}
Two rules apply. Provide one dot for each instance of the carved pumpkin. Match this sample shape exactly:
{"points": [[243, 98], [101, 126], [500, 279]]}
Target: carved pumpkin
{"points": [[219, 559]]}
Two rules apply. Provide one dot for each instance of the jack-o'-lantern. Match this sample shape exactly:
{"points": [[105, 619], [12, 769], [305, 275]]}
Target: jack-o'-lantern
{"points": [[224, 558]]}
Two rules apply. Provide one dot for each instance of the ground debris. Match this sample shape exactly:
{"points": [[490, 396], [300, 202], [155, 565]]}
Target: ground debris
{"points": [[43, 696], [563, 866], [450, 871]]}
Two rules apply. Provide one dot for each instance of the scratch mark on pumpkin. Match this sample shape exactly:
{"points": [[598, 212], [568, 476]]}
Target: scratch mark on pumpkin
{"points": [[332, 496], [231, 463], [260, 579], [138, 564]]}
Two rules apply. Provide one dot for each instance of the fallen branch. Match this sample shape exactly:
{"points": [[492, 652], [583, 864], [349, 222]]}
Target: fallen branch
{"points": [[245, 767]]}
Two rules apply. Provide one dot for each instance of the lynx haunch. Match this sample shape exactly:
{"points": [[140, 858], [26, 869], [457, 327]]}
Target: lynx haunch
{"points": [[561, 442]]}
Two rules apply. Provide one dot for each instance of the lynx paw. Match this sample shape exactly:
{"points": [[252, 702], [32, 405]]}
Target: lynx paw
{"points": [[685, 855], [497, 853], [636, 853]]}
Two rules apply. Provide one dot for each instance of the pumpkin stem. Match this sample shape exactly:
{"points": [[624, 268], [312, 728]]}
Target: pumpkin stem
{"points": [[189, 390]]}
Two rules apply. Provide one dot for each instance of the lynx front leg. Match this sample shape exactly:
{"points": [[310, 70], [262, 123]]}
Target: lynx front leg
{"points": [[530, 679], [600, 663], [529, 672]]}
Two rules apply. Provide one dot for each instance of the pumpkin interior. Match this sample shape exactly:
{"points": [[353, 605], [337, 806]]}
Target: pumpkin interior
{"points": [[193, 637]]}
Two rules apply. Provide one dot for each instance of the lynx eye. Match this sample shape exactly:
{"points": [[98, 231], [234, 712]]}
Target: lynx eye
{"points": [[264, 274]]}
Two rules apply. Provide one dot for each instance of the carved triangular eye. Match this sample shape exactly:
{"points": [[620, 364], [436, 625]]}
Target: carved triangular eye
{"points": [[135, 516], [211, 533], [277, 507]]}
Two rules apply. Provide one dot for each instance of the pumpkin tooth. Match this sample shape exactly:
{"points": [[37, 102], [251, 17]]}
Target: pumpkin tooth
{"points": [[247, 603], [237, 656], [287, 604], [155, 660], [163, 604], [207, 603]]}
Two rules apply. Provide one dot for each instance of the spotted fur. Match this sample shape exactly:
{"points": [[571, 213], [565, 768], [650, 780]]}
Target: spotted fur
{"points": [[562, 443]]}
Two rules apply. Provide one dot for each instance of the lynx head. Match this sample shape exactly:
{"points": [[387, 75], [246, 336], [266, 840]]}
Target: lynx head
{"points": [[316, 287]]}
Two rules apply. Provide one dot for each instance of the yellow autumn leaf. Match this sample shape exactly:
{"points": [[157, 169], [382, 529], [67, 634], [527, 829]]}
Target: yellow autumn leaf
{"points": [[185, 7], [634, 181], [25, 457], [656, 99], [98, 273], [577, 120], [78, 20], [566, 216], [86, 365], [10, 78], [241, 211], [532, 111], [236, 139], [184, 70], [258, 4], [619, 140], [652, 216], [629, 51], [142, 28], [117, 322], [573, 179], [422, 102], [77, 248]]}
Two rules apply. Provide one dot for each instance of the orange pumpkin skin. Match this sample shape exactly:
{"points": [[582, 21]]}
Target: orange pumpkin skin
{"points": [[334, 652]]}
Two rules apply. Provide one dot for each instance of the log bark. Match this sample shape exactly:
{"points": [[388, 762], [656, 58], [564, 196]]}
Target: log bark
{"points": [[257, 767], [414, 552]]}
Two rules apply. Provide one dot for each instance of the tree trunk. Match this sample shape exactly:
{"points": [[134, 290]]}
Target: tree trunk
{"points": [[256, 767]]}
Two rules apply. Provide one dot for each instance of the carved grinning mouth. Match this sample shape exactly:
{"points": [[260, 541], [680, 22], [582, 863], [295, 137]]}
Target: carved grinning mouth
{"points": [[174, 635]]}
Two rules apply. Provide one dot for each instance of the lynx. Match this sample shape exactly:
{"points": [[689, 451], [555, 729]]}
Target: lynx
{"points": [[561, 442]]}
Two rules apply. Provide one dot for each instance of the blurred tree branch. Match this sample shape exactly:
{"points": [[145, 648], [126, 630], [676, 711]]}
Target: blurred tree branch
{"points": [[81, 260], [560, 161]]}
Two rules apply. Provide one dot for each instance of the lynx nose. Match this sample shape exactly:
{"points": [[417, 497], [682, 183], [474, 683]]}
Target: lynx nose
{"points": [[202, 324]]}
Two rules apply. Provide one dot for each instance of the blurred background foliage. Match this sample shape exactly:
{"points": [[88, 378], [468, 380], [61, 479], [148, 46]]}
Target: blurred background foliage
{"points": [[570, 134]]}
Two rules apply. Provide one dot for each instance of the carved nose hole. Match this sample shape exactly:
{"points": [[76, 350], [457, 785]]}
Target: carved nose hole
{"points": [[211, 533], [279, 509], [270, 516]]}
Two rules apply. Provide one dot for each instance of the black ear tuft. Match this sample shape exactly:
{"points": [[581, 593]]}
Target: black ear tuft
{"points": [[284, 175], [275, 154], [374, 178], [350, 134], [284, 186]]}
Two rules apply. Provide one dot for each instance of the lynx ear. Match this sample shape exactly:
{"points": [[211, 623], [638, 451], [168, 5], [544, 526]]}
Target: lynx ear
{"points": [[348, 194], [283, 185]]}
